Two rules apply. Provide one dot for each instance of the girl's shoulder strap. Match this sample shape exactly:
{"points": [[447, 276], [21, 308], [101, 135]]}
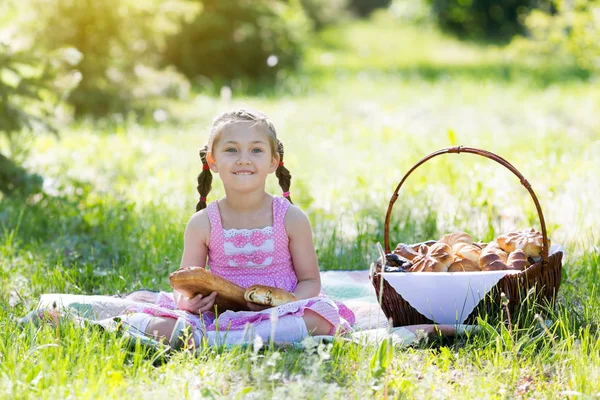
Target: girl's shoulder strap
{"points": [[215, 217], [280, 207]]}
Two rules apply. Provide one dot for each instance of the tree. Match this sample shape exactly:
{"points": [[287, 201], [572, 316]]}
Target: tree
{"points": [[28, 98]]}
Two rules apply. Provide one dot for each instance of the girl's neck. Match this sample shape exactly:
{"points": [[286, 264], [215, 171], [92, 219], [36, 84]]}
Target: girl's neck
{"points": [[245, 202]]}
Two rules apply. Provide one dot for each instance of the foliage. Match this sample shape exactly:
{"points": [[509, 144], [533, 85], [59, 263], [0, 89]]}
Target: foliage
{"points": [[30, 89], [483, 19], [15, 180], [27, 98], [115, 37], [364, 8], [411, 11], [231, 39], [571, 34], [324, 12]]}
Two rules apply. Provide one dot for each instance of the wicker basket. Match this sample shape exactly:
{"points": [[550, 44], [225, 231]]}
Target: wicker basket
{"points": [[544, 276]]}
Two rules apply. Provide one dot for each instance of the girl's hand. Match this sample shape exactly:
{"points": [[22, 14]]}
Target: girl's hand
{"points": [[256, 307], [197, 304]]}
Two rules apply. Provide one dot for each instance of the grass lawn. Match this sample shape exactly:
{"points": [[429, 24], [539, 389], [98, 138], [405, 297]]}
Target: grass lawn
{"points": [[371, 101]]}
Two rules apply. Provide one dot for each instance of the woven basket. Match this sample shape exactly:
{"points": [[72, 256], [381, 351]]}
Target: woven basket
{"points": [[544, 276]]}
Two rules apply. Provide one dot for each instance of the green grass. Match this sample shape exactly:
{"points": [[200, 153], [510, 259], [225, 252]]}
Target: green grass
{"points": [[372, 100]]}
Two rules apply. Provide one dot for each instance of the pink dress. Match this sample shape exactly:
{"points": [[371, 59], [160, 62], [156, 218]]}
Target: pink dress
{"points": [[255, 256]]}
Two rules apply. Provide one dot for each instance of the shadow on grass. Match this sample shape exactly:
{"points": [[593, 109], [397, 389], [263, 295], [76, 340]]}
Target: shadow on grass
{"points": [[505, 73], [84, 243]]}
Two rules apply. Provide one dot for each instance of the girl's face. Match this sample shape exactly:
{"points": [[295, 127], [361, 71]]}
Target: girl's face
{"points": [[242, 157]]}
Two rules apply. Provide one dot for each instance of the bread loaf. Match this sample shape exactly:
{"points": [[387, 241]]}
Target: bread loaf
{"points": [[464, 265], [441, 252], [517, 260], [465, 251], [268, 295], [424, 262], [528, 240], [416, 246], [493, 258], [191, 281], [457, 237], [405, 252]]}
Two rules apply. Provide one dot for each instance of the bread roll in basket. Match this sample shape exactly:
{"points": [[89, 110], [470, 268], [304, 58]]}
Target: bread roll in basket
{"points": [[191, 281]]}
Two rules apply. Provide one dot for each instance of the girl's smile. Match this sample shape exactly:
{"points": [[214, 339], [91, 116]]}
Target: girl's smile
{"points": [[243, 153]]}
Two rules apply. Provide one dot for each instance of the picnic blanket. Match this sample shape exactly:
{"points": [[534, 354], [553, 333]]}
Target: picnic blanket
{"points": [[353, 288]]}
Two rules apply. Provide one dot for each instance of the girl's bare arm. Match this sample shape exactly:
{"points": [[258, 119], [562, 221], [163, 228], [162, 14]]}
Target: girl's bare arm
{"points": [[195, 251], [303, 253]]}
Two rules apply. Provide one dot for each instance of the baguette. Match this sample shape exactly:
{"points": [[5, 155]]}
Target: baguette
{"points": [[191, 281], [268, 295]]}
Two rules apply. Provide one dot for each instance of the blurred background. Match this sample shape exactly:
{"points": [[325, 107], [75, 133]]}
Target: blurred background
{"points": [[67, 59], [104, 103]]}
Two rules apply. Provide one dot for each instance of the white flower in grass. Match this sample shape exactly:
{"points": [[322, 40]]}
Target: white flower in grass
{"points": [[257, 344]]}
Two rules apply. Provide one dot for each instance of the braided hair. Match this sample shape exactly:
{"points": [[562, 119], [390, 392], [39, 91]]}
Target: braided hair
{"points": [[204, 180], [222, 121]]}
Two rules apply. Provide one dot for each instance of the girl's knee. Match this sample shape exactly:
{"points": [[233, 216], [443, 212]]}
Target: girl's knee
{"points": [[160, 328], [316, 324], [171, 331]]}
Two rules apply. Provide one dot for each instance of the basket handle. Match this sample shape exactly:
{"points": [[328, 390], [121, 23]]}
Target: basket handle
{"points": [[483, 153]]}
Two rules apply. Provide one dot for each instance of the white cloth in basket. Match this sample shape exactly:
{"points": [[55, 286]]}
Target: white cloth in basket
{"points": [[447, 297]]}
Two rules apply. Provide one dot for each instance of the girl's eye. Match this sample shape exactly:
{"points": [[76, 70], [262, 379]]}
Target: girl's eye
{"points": [[230, 150], [257, 150]]}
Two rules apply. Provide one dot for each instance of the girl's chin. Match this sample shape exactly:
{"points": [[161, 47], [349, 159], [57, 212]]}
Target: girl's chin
{"points": [[245, 188]]}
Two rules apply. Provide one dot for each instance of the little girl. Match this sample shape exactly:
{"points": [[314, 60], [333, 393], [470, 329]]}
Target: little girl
{"points": [[249, 237]]}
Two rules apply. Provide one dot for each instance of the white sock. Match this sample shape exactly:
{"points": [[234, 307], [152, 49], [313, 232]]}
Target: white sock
{"points": [[137, 325], [137, 322], [288, 329]]}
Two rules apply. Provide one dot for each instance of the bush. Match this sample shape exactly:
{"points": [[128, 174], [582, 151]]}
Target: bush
{"points": [[571, 34], [483, 19], [114, 36], [24, 82], [16, 181], [363, 8], [231, 39], [29, 84], [324, 12], [411, 11]]}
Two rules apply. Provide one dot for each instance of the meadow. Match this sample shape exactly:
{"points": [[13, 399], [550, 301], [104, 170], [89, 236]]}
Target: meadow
{"points": [[371, 100]]}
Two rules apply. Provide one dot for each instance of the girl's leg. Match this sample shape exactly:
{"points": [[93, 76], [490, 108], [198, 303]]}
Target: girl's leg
{"points": [[163, 329], [288, 329], [316, 324]]}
